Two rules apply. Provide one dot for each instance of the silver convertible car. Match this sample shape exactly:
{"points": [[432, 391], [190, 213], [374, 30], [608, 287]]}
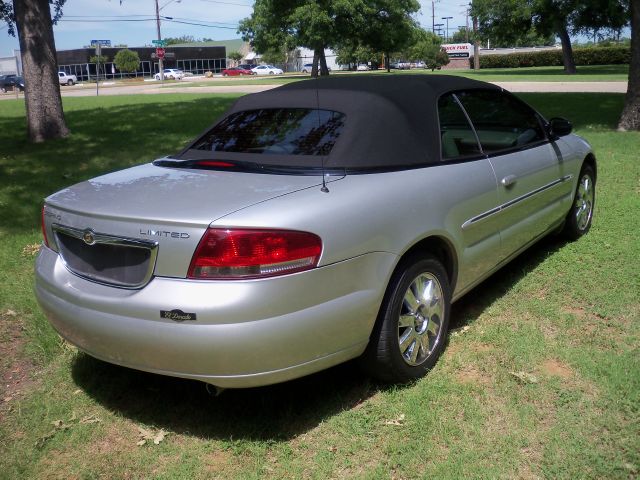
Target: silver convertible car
{"points": [[318, 222]]}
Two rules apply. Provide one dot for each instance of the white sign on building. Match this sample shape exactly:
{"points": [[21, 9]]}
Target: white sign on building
{"points": [[459, 50]]}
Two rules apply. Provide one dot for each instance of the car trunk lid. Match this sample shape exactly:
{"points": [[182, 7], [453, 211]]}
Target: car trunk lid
{"points": [[165, 209]]}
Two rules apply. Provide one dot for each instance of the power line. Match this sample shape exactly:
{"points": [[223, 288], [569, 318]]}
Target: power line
{"points": [[200, 24], [119, 18], [107, 16], [106, 20], [228, 3], [205, 21], [166, 19]]}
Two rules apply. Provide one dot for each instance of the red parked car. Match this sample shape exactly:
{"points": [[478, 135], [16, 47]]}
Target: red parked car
{"points": [[235, 71]]}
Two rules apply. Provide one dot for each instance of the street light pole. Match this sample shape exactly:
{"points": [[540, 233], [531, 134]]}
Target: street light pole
{"points": [[160, 60], [447, 34]]}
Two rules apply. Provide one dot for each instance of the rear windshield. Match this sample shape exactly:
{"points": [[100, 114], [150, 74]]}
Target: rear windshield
{"points": [[276, 131]]}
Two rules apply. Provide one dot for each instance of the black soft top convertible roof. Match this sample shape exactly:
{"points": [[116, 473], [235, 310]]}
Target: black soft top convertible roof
{"points": [[391, 120]]}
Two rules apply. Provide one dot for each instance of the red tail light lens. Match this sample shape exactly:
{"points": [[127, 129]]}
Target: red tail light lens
{"points": [[44, 230], [253, 253]]}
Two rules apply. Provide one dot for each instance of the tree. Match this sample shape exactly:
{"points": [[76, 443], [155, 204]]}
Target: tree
{"points": [[463, 35], [352, 53], [180, 39], [437, 60], [511, 20], [235, 56], [427, 48], [388, 25], [102, 59], [274, 56], [320, 24], [508, 20], [423, 44], [32, 19], [278, 24], [127, 60], [630, 118], [609, 16]]}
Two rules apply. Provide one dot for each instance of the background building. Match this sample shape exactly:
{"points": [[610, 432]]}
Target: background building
{"points": [[194, 58]]}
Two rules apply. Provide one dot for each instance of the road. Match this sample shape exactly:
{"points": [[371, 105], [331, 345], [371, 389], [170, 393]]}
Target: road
{"points": [[151, 88]]}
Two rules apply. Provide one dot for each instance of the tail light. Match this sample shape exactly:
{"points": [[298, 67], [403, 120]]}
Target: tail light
{"points": [[253, 253], [44, 229]]}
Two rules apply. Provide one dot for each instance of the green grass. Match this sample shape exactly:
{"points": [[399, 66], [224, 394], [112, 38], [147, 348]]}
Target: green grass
{"points": [[566, 313], [592, 73]]}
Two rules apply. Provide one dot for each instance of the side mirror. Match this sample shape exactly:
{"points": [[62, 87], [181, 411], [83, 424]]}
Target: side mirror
{"points": [[559, 127]]}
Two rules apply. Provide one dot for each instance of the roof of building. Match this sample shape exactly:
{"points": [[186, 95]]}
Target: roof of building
{"points": [[232, 45]]}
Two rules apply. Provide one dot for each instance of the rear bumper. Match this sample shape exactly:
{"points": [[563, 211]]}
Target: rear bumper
{"points": [[247, 333]]}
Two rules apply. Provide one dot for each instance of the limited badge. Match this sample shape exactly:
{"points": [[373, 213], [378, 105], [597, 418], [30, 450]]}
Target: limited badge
{"points": [[177, 315]]}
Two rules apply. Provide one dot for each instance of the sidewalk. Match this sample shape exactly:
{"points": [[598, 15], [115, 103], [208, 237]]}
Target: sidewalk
{"points": [[153, 88], [569, 87]]}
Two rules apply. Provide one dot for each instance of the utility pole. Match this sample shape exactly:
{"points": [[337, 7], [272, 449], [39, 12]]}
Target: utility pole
{"points": [[160, 60], [447, 31], [433, 16], [98, 53], [476, 47], [466, 14]]}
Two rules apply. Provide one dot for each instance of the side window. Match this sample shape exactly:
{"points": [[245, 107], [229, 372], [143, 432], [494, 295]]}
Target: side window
{"points": [[500, 120], [456, 135]]}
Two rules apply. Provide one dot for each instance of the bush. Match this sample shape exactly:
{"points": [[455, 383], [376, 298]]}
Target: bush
{"points": [[127, 60], [550, 58]]}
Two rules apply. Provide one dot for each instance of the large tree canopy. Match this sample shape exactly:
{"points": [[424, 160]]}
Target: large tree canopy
{"points": [[34, 25], [381, 25], [507, 21]]}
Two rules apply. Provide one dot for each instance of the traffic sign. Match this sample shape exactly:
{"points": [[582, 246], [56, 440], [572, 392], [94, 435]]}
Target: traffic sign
{"points": [[167, 55], [159, 43], [102, 43], [160, 52]]}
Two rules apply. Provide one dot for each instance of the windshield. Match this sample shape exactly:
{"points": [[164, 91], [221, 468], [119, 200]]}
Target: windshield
{"points": [[277, 131]]}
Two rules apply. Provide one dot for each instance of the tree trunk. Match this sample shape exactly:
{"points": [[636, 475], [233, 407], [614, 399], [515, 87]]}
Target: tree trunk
{"points": [[567, 51], [323, 63], [45, 118], [314, 68], [386, 60], [630, 118]]}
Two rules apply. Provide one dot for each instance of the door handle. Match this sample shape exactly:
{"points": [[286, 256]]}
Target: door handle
{"points": [[508, 181]]}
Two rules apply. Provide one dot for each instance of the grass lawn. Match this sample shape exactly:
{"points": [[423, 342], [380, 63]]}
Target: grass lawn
{"points": [[541, 376], [592, 73]]}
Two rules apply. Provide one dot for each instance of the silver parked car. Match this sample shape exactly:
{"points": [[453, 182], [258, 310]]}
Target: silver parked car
{"points": [[314, 223]]}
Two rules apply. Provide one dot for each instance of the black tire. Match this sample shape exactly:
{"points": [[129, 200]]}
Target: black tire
{"points": [[70, 83], [270, 73], [389, 357], [580, 216], [3, 89]]}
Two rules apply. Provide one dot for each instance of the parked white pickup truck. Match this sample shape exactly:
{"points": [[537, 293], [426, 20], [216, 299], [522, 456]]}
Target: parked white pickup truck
{"points": [[65, 79]]}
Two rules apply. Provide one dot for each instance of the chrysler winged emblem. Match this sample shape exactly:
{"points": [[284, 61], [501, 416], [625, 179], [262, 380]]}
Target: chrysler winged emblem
{"points": [[88, 237]]}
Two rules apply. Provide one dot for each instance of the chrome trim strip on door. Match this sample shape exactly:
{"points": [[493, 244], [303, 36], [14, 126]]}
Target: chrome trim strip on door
{"points": [[510, 203]]}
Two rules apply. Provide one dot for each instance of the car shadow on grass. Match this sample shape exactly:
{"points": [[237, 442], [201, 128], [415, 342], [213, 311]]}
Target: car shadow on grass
{"points": [[467, 310], [276, 412]]}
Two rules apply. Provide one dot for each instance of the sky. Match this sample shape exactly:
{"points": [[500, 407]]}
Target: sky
{"points": [[86, 20]]}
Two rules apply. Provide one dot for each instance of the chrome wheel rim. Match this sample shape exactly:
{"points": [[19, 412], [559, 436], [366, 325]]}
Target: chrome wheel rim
{"points": [[584, 202], [420, 321]]}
